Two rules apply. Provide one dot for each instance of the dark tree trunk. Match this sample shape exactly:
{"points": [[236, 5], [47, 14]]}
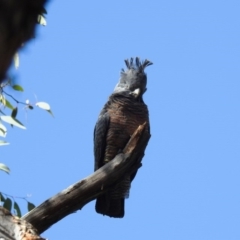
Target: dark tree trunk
{"points": [[18, 19]]}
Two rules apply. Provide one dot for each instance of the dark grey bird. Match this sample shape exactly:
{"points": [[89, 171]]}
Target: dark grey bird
{"points": [[119, 118]]}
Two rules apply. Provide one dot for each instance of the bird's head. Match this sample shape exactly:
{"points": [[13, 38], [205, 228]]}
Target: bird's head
{"points": [[133, 79]]}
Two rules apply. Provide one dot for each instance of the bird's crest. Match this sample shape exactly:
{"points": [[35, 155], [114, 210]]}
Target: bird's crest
{"points": [[138, 64]]}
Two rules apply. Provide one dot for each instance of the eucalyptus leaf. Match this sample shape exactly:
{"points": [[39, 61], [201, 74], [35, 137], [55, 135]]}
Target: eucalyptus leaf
{"points": [[17, 88], [17, 209], [4, 168], [12, 121], [3, 130], [43, 105], [3, 143], [14, 112], [2, 198], [8, 104], [30, 206], [3, 100], [8, 204]]}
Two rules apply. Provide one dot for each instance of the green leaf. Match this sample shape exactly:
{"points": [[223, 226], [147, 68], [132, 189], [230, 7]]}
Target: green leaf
{"points": [[8, 204], [43, 105], [17, 88], [3, 100], [13, 121], [17, 209], [3, 130], [4, 168], [2, 198], [8, 104], [30, 206], [14, 112], [3, 143]]}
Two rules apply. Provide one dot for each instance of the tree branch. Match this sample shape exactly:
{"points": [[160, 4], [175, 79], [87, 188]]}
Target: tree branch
{"points": [[13, 228], [76, 196]]}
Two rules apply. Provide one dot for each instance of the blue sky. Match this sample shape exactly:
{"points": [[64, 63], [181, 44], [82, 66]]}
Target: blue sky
{"points": [[189, 185]]}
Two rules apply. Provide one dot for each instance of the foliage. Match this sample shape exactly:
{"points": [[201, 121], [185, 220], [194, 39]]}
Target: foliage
{"points": [[10, 204], [6, 102]]}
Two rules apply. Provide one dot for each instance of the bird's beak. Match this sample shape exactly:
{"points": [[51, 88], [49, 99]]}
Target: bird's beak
{"points": [[136, 92]]}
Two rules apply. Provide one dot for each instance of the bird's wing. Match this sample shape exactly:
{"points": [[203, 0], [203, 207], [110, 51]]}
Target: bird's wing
{"points": [[100, 133]]}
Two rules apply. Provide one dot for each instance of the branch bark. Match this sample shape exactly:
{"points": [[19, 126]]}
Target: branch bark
{"points": [[76, 196], [13, 228]]}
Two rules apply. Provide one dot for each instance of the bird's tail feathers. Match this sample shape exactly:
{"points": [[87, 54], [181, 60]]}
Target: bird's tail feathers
{"points": [[111, 203], [110, 207]]}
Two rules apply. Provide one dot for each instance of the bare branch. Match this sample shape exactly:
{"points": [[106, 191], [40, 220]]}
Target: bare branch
{"points": [[76, 196]]}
